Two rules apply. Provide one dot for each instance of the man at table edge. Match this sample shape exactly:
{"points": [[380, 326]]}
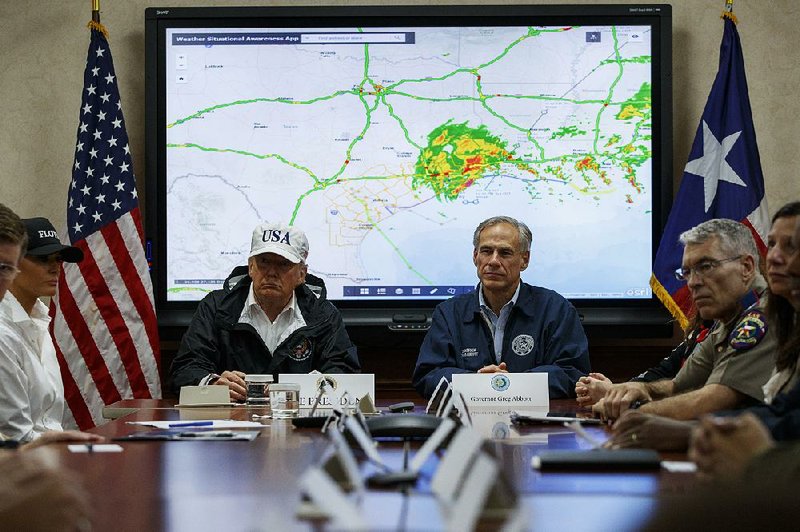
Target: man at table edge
{"points": [[270, 317], [505, 325], [729, 367]]}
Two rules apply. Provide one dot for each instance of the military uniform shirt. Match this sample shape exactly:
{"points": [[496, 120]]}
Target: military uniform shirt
{"points": [[723, 358]]}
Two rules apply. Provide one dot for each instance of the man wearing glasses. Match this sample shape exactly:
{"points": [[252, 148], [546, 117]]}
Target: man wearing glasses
{"points": [[13, 241], [271, 316], [728, 368]]}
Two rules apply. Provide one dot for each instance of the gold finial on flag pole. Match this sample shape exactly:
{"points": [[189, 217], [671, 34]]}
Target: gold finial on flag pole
{"points": [[728, 13], [94, 24]]}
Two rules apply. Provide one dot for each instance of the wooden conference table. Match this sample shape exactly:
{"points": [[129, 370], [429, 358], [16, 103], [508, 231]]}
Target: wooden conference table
{"points": [[240, 485]]}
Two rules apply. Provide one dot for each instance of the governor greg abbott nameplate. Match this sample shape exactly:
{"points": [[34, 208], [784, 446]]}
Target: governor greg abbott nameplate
{"points": [[356, 385], [503, 389]]}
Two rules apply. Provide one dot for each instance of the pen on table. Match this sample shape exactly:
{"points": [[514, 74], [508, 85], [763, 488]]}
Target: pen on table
{"points": [[191, 424]]}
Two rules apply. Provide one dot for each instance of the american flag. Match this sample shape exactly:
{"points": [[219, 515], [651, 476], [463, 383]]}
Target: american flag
{"points": [[104, 323]]}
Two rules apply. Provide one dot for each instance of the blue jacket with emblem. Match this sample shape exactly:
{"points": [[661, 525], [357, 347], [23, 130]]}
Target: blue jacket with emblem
{"points": [[216, 341], [460, 341]]}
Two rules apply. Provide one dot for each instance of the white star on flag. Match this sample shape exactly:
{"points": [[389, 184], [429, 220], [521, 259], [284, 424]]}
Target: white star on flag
{"points": [[712, 166]]}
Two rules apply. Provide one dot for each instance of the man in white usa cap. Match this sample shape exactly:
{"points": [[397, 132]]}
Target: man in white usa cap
{"points": [[270, 317]]}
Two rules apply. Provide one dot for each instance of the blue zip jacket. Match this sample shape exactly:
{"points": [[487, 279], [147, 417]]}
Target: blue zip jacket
{"points": [[543, 334]]}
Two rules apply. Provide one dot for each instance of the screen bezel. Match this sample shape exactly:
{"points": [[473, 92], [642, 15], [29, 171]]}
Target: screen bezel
{"points": [[601, 313]]}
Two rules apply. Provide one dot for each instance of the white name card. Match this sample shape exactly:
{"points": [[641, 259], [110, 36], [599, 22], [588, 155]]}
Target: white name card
{"points": [[204, 396], [455, 463], [503, 389], [357, 385], [331, 500]]}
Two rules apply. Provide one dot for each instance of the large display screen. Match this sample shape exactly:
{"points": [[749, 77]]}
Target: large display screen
{"points": [[388, 135]]}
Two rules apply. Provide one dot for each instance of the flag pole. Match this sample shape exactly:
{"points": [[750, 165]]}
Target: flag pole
{"points": [[94, 24], [104, 325], [728, 13]]}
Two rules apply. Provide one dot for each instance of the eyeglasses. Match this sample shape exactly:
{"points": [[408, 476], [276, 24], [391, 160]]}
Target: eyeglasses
{"points": [[8, 271], [702, 268]]}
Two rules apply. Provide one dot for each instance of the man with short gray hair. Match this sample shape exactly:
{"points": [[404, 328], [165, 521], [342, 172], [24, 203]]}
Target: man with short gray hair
{"points": [[505, 325], [729, 366]]}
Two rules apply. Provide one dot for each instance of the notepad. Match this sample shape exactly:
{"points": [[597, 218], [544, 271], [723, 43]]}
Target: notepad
{"points": [[598, 460], [549, 419], [202, 396]]}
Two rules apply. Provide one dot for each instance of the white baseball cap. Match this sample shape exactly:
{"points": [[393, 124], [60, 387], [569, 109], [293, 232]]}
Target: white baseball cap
{"points": [[287, 241]]}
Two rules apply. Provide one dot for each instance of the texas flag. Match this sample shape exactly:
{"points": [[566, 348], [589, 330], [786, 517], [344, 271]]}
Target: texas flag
{"points": [[722, 178]]}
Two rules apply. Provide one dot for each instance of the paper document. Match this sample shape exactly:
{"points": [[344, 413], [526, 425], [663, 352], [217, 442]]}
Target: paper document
{"points": [[94, 448], [191, 435], [674, 466]]}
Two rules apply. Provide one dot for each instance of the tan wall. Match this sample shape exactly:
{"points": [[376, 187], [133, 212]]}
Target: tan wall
{"points": [[43, 46]]}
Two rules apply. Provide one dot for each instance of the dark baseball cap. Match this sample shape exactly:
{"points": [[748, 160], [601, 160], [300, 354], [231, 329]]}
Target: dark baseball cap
{"points": [[43, 241]]}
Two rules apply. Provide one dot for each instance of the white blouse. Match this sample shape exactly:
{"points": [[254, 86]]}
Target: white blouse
{"points": [[31, 390]]}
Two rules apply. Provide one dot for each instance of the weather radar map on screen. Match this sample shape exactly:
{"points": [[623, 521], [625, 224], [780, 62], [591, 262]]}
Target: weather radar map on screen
{"points": [[388, 145]]}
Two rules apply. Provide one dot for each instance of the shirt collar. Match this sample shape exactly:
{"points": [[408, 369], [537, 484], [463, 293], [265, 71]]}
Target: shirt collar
{"points": [[292, 305], [750, 299], [756, 292], [511, 302], [17, 314]]}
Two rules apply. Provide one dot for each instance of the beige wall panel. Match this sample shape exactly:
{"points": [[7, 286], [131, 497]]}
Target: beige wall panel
{"points": [[43, 46]]}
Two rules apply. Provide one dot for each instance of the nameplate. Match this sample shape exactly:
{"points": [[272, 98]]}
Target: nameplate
{"points": [[345, 460], [432, 444], [357, 385], [455, 463], [330, 500], [366, 443], [204, 396], [475, 488], [503, 389]]}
